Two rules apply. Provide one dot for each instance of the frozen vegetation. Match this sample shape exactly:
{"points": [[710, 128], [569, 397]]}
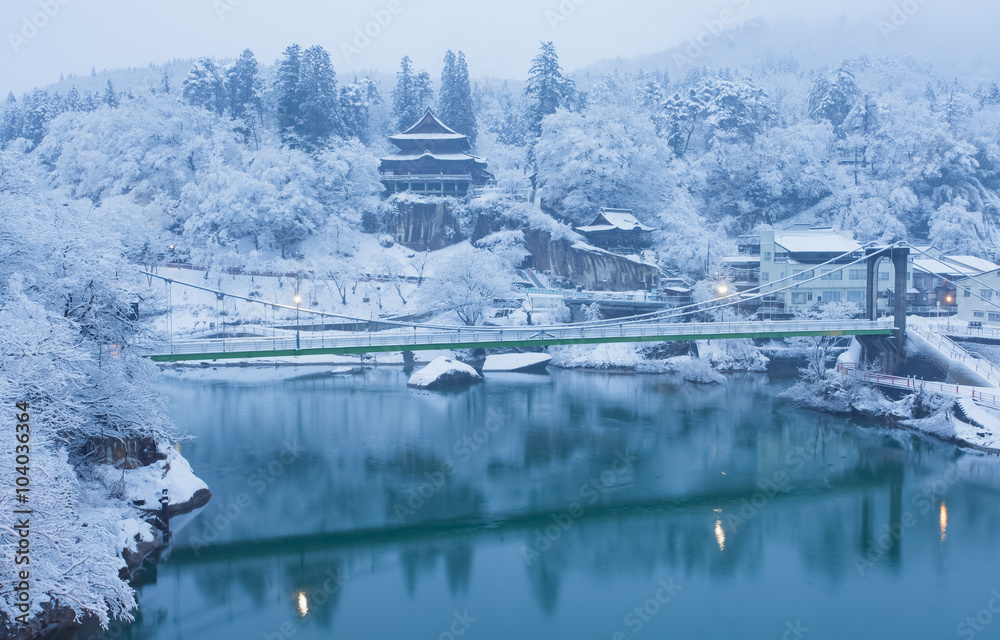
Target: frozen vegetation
{"points": [[273, 168]]}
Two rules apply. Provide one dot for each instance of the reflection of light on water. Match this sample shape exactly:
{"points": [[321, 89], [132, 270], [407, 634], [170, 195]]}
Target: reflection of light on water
{"points": [[720, 535], [944, 521], [303, 604]]}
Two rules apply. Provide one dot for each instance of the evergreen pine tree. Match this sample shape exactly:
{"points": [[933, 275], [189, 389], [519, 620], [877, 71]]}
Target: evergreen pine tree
{"points": [[72, 100], [548, 89], [287, 89], [165, 87], [37, 112], [991, 95], [424, 91], [447, 97], [111, 96], [319, 109], [456, 107], [244, 86], [10, 125], [405, 97]]}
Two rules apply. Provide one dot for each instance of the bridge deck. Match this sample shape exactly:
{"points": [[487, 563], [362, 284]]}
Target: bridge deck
{"points": [[493, 338]]}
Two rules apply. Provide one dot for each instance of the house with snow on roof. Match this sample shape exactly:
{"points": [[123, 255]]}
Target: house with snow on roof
{"points": [[800, 253], [977, 290], [617, 230]]}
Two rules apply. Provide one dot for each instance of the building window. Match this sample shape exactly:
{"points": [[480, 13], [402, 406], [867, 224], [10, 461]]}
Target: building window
{"points": [[798, 298], [857, 274], [994, 317], [767, 256], [967, 293], [979, 314], [831, 296], [855, 296], [833, 275], [765, 276], [986, 293], [803, 275], [883, 275]]}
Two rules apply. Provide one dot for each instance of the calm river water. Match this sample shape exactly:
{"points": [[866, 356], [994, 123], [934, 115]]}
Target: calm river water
{"points": [[572, 505]]}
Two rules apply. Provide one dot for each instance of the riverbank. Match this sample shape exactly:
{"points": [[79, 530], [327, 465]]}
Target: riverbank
{"points": [[158, 482], [929, 413]]}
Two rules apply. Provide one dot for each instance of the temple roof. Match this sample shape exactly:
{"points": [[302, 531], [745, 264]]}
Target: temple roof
{"points": [[612, 219], [429, 127], [447, 157]]}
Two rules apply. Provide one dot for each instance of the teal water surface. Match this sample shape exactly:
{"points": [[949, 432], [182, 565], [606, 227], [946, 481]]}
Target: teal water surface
{"points": [[570, 505]]}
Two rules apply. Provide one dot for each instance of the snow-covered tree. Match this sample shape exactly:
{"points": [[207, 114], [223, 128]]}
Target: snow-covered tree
{"points": [[111, 97], [286, 89], [205, 86], [412, 95], [609, 156], [455, 104], [244, 85], [831, 99], [547, 89], [319, 107], [67, 349], [469, 283]]}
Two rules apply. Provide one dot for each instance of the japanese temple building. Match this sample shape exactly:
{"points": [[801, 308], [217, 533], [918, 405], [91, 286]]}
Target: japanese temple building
{"points": [[433, 159], [617, 229]]}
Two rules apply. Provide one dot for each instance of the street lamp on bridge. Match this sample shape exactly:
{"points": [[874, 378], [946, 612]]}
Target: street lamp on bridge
{"points": [[298, 301]]}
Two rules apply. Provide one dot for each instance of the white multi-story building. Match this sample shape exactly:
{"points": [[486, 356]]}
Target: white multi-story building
{"points": [[797, 253], [978, 300], [797, 256]]}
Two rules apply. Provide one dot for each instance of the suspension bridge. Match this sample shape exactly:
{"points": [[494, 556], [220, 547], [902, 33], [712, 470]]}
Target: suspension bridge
{"points": [[423, 339], [325, 333]]}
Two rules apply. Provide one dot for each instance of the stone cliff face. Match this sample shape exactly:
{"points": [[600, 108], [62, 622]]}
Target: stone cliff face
{"points": [[431, 226], [593, 269], [425, 226]]}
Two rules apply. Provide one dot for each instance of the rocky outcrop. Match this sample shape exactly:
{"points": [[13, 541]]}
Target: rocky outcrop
{"points": [[425, 226], [592, 268], [444, 373]]}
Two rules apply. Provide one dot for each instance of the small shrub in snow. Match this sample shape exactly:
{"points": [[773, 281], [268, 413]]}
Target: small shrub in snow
{"points": [[696, 370]]}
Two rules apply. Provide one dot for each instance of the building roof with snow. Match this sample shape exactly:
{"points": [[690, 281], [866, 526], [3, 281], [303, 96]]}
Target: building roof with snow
{"points": [[973, 265], [614, 220], [815, 241], [429, 133]]}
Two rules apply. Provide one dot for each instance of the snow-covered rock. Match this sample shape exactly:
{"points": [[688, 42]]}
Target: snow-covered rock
{"points": [[517, 362], [442, 373], [144, 486]]}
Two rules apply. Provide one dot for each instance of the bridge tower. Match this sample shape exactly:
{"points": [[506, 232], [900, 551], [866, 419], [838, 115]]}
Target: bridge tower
{"points": [[900, 257]]}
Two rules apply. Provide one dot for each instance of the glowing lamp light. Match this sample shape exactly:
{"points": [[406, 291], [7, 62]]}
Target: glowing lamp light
{"points": [[949, 299], [720, 535], [298, 299], [722, 289], [303, 604], [943, 520]]}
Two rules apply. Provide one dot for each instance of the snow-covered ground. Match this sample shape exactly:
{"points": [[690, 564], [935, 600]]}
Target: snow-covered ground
{"points": [[516, 362]]}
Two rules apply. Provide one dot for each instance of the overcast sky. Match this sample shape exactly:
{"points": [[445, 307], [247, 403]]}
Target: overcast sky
{"points": [[499, 37]]}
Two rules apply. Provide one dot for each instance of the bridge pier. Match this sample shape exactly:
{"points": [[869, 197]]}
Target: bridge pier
{"points": [[900, 257]]}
